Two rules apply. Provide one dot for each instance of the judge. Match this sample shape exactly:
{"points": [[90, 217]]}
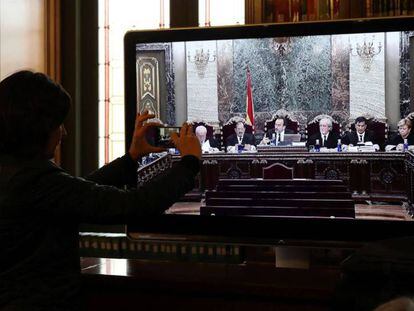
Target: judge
{"points": [[240, 137], [207, 145], [325, 136], [404, 132], [277, 134], [361, 135]]}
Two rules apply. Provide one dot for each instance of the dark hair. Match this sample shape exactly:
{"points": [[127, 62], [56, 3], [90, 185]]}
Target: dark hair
{"points": [[361, 119], [31, 107], [282, 118]]}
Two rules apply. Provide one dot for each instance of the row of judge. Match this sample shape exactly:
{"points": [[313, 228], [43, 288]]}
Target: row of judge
{"points": [[240, 137], [329, 139], [325, 137], [361, 135]]}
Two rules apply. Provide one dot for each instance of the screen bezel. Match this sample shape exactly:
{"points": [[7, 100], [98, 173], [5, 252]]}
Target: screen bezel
{"points": [[256, 229]]}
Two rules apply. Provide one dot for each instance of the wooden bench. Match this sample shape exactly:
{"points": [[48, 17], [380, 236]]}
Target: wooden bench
{"points": [[300, 181], [275, 197], [278, 194]]}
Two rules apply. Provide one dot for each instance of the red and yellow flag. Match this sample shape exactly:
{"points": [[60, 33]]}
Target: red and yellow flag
{"points": [[249, 100]]}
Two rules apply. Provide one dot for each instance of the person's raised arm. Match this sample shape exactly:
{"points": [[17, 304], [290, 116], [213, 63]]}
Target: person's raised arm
{"points": [[122, 171]]}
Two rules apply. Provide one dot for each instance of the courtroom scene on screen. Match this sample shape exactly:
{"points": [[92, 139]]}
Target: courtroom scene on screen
{"points": [[315, 126]]}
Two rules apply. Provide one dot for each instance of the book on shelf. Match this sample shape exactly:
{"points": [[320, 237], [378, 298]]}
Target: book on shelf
{"points": [[369, 8], [312, 10], [324, 9], [340, 9], [268, 11], [282, 11], [295, 11], [356, 9]]}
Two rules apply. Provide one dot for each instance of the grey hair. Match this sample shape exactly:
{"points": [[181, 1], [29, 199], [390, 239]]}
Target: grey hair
{"points": [[328, 121]]}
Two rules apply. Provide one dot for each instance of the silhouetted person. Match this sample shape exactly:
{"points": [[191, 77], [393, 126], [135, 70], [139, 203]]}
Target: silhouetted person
{"points": [[41, 205]]}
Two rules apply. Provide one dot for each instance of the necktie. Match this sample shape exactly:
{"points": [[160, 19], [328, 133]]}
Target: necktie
{"points": [[278, 137], [360, 138], [324, 140]]}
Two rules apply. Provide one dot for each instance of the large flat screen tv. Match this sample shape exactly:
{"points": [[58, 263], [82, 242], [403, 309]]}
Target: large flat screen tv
{"points": [[340, 68]]}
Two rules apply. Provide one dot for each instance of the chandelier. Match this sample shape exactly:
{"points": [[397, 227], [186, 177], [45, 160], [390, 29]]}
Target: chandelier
{"points": [[281, 45], [366, 52], [201, 60]]}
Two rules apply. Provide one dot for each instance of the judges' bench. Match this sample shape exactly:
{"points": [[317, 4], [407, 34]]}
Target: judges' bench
{"points": [[370, 176]]}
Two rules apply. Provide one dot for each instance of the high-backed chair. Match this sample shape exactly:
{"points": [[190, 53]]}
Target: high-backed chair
{"points": [[228, 128], [291, 122], [410, 116], [377, 126], [313, 126]]}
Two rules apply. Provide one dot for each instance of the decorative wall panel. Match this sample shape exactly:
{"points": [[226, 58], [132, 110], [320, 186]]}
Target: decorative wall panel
{"points": [[163, 53]]}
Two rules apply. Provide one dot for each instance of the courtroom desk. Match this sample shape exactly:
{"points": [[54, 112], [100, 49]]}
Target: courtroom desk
{"points": [[379, 176], [410, 182], [125, 284]]}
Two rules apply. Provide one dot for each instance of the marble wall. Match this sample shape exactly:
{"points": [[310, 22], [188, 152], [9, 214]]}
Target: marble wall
{"points": [[298, 78], [305, 75], [405, 82], [202, 99], [367, 78]]}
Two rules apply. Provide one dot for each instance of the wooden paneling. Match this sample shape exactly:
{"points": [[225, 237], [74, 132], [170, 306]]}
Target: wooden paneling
{"points": [[370, 176]]}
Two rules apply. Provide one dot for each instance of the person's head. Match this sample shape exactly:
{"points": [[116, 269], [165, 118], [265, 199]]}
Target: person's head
{"points": [[280, 125], [325, 126], [360, 125], [201, 133], [404, 127], [32, 111], [239, 129]]}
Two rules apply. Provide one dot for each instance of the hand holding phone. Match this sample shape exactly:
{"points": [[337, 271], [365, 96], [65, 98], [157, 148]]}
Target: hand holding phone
{"points": [[187, 143], [139, 145]]}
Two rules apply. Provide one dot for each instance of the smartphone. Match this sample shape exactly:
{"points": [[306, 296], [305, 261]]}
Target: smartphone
{"points": [[161, 136]]}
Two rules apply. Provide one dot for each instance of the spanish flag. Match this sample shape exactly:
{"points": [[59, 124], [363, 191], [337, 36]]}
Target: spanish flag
{"points": [[249, 101]]}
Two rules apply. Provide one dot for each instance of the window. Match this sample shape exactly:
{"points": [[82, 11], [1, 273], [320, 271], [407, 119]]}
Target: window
{"points": [[115, 19], [219, 12]]}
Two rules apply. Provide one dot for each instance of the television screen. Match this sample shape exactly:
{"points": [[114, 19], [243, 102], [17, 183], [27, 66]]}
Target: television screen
{"points": [[304, 74]]}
